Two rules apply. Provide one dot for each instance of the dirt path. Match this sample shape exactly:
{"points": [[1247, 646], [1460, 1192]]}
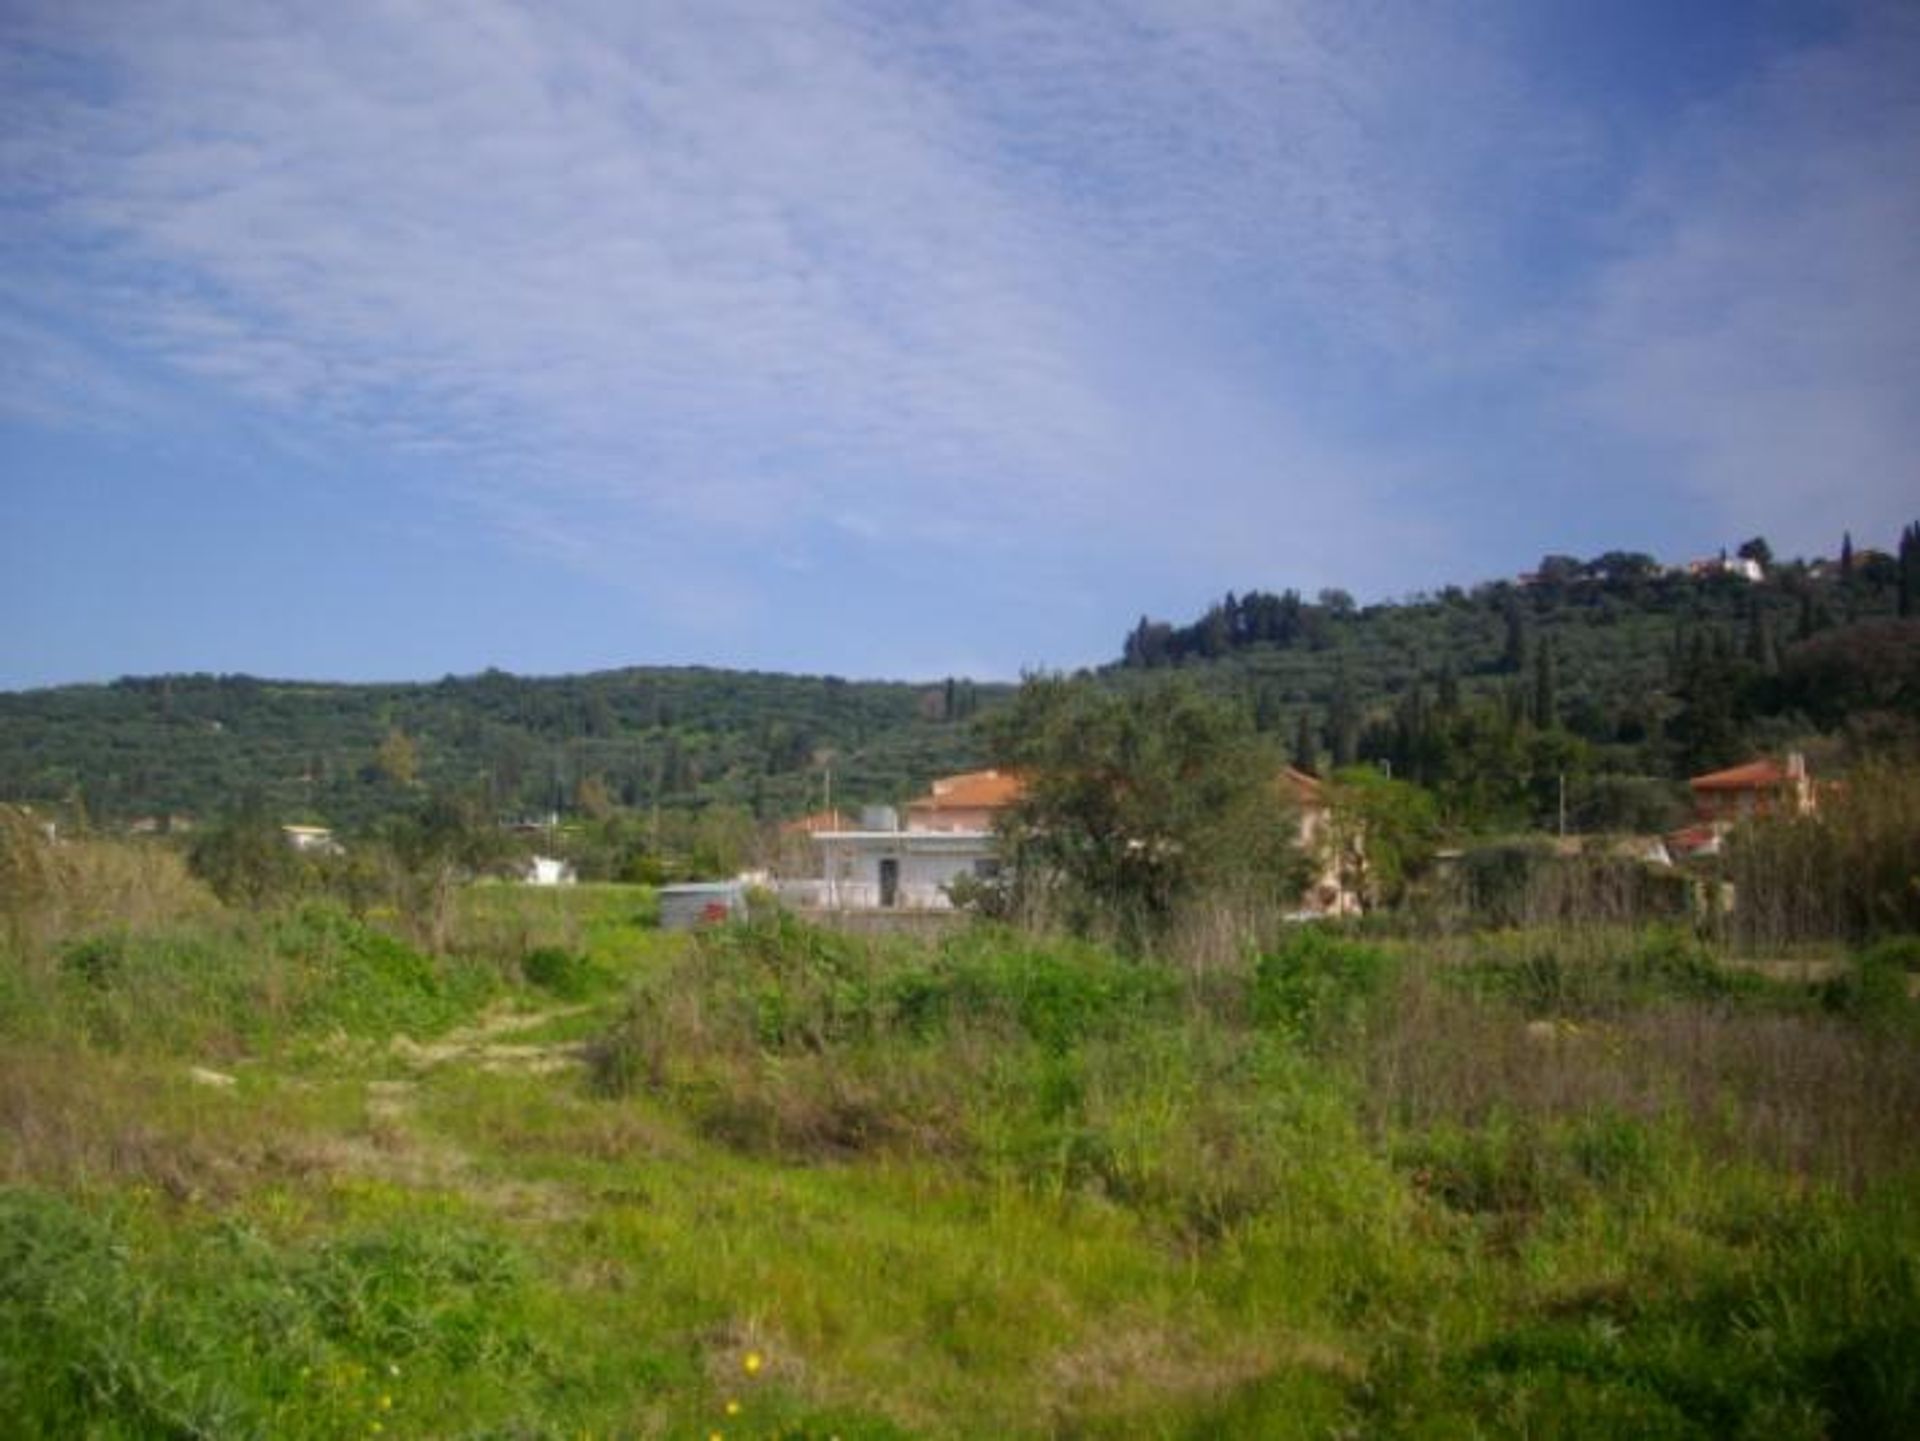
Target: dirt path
{"points": [[482, 1046], [396, 1147]]}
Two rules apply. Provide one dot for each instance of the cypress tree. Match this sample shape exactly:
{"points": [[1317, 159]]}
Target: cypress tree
{"points": [[1306, 751], [1909, 569], [1546, 703], [1344, 722], [1513, 657]]}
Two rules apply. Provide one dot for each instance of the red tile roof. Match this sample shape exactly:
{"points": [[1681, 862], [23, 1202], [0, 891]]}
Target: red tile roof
{"points": [[1763, 774], [974, 790]]}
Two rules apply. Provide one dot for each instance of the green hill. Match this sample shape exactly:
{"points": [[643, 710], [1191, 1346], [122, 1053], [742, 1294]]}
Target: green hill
{"points": [[1614, 675], [347, 754]]}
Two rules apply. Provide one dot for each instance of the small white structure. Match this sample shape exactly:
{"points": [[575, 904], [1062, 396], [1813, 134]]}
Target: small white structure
{"points": [[549, 871], [317, 840], [909, 870]]}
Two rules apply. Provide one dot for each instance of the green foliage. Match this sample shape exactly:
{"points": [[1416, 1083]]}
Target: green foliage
{"points": [[1139, 803], [358, 979], [231, 985], [247, 860], [675, 740], [563, 973], [1385, 832], [1873, 989], [1848, 870], [417, 1324], [1529, 882], [1545, 974], [1316, 986]]}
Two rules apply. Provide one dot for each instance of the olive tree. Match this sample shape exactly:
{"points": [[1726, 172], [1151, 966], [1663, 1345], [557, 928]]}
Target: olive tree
{"points": [[1138, 802]]}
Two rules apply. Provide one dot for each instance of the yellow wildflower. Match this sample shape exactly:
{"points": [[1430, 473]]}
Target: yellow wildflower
{"points": [[752, 1362]]}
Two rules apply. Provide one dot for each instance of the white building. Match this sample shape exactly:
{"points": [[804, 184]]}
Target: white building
{"points": [[314, 840], [548, 871], [911, 870]]}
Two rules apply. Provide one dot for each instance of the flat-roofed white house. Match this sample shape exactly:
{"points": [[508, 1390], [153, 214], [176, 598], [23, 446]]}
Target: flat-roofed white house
{"points": [[910, 870], [948, 837]]}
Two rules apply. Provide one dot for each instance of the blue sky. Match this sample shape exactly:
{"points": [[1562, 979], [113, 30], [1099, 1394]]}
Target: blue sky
{"points": [[391, 340]]}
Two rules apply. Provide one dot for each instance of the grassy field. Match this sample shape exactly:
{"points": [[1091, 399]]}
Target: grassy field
{"points": [[285, 1176]]}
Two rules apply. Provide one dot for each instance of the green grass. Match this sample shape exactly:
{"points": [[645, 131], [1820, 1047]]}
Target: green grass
{"points": [[997, 1184]]}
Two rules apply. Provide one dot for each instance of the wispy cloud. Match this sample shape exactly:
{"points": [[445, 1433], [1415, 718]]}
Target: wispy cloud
{"points": [[730, 262], [1153, 291]]}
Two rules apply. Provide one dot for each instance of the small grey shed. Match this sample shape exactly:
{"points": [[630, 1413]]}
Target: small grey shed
{"points": [[706, 903]]}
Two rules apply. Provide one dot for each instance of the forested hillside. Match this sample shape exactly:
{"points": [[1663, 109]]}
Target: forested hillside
{"points": [[347, 754], [1614, 676], [1600, 683]]}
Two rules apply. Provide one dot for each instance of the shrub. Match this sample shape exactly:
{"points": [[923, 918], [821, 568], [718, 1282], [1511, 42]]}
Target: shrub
{"points": [[1316, 986], [563, 973], [1873, 991]]}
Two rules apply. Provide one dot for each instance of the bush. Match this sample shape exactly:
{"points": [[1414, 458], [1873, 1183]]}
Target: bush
{"points": [[1600, 973], [1873, 991], [1316, 986], [562, 973]]}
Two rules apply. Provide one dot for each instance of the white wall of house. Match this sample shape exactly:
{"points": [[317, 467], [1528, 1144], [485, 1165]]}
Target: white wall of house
{"points": [[855, 866], [549, 871]]}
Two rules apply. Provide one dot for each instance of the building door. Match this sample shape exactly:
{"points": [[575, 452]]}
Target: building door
{"points": [[889, 882]]}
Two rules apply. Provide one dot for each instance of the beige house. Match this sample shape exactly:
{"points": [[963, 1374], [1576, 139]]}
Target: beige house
{"points": [[1331, 850], [1760, 787]]}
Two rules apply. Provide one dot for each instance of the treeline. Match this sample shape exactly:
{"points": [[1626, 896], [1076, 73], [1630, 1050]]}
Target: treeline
{"points": [[1588, 686], [683, 739]]}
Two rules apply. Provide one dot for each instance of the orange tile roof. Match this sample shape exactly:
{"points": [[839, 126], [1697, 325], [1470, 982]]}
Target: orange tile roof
{"points": [[1763, 774], [1689, 839], [1306, 789], [973, 790]]}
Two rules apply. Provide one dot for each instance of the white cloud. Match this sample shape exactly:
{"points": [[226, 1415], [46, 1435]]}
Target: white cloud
{"points": [[735, 265]]}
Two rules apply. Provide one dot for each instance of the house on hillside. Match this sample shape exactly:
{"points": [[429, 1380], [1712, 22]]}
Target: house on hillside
{"points": [[311, 840], [900, 869], [1743, 566], [1759, 787]]}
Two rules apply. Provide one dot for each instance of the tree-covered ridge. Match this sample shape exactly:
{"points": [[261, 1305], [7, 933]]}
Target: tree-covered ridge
{"points": [[347, 754], [1600, 682], [1614, 675]]}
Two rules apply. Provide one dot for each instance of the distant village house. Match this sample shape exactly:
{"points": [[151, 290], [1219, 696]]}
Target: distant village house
{"points": [[311, 840], [1760, 787]]}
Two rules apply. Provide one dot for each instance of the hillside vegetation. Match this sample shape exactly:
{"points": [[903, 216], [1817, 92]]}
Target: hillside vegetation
{"points": [[349, 754], [1597, 685], [1611, 676]]}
